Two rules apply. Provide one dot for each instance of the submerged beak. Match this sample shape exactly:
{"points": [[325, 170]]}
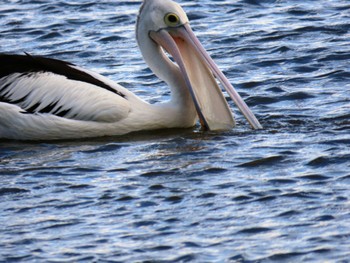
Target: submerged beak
{"points": [[198, 70]]}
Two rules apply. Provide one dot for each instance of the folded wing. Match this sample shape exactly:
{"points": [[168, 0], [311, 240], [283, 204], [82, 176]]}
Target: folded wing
{"points": [[46, 86]]}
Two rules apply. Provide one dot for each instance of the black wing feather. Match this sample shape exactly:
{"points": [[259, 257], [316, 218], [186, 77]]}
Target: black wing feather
{"points": [[28, 64]]}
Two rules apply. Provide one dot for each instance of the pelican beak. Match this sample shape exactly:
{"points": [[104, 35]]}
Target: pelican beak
{"points": [[199, 71]]}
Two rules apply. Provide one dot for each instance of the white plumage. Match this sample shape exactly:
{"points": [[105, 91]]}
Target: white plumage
{"points": [[81, 100], [44, 99]]}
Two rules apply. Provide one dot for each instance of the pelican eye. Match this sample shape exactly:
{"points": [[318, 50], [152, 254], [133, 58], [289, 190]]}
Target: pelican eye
{"points": [[172, 19]]}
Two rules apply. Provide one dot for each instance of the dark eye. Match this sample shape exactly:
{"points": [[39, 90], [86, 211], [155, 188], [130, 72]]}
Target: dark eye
{"points": [[172, 19]]}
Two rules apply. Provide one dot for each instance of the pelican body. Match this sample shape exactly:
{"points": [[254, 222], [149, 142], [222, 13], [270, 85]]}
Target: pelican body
{"points": [[47, 99]]}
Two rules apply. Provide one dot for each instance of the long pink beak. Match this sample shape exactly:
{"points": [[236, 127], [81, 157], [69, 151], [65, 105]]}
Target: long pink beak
{"points": [[198, 70]]}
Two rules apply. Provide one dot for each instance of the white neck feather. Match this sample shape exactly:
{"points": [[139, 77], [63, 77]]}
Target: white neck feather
{"points": [[169, 72]]}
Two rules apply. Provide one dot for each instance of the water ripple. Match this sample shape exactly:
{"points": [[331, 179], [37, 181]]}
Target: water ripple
{"points": [[279, 194]]}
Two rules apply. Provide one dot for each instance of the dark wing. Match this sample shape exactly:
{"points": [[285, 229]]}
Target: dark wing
{"points": [[29, 64], [41, 85]]}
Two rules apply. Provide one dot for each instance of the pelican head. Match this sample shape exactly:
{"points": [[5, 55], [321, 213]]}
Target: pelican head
{"points": [[163, 26]]}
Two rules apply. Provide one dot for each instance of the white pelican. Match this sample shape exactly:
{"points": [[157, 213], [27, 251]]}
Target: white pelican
{"points": [[47, 99]]}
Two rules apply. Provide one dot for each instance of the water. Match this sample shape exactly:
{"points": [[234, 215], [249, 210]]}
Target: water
{"points": [[280, 194]]}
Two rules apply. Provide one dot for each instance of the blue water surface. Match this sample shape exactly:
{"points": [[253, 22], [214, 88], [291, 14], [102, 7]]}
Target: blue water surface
{"points": [[280, 194]]}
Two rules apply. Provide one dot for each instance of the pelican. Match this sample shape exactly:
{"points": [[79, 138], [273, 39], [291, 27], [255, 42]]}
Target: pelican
{"points": [[47, 99]]}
